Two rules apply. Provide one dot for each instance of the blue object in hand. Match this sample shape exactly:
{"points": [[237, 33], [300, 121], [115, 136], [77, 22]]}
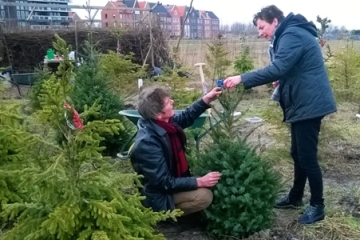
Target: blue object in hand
{"points": [[220, 83]]}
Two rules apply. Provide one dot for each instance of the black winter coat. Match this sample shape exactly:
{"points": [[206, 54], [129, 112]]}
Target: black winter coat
{"points": [[298, 64], [152, 157]]}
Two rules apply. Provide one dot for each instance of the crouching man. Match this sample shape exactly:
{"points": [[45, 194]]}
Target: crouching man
{"points": [[158, 154]]}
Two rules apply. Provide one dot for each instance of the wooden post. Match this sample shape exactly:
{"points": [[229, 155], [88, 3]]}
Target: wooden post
{"points": [[151, 39], [76, 42]]}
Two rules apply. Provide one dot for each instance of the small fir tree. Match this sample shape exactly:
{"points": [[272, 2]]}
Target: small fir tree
{"points": [[343, 73], [92, 85], [74, 192], [244, 196], [122, 73]]}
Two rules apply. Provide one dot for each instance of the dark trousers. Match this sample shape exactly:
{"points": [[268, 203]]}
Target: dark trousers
{"points": [[304, 149]]}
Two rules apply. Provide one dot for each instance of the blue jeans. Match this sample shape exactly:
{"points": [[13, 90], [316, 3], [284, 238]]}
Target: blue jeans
{"points": [[304, 149]]}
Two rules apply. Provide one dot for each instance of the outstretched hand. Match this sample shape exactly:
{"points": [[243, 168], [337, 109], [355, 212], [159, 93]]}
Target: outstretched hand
{"points": [[212, 95], [232, 81]]}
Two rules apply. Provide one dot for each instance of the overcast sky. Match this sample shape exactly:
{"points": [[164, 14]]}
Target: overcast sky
{"points": [[341, 12]]}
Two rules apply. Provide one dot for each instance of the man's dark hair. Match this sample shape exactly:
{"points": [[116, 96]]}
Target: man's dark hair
{"points": [[268, 14], [151, 102]]}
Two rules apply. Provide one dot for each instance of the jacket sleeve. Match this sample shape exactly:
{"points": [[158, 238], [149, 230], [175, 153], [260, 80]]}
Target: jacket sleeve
{"points": [[150, 160], [187, 117], [289, 51]]}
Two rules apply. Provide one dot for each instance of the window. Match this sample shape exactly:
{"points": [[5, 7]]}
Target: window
{"points": [[175, 13], [114, 15], [3, 14], [106, 24], [105, 15]]}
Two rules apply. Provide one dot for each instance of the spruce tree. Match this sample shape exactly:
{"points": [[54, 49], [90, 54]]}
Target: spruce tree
{"points": [[244, 196], [73, 191], [93, 85]]}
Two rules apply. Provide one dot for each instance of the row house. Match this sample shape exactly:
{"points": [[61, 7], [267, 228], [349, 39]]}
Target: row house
{"points": [[198, 24], [120, 14], [210, 24], [160, 13], [176, 13]]}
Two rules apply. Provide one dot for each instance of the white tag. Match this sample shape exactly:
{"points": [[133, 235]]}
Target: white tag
{"points": [[140, 83]]}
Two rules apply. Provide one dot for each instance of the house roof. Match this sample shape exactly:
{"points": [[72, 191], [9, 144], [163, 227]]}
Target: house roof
{"points": [[118, 4], [212, 15], [142, 4], [207, 15], [191, 12], [169, 6], [159, 9], [181, 10], [129, 3]]}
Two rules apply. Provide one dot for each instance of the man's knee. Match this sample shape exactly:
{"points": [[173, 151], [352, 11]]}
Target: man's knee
{"points": [[205, 198]]}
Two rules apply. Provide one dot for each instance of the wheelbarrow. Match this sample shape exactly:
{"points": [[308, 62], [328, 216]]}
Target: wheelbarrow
{"points": [[133, 116]]}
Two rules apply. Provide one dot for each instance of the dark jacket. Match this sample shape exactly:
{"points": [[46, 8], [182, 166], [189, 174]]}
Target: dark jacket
{"points": [[152, 157], [298, 64]]}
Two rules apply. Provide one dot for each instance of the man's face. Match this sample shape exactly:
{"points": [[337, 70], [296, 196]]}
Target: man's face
{"points": [[167, 111], [266, 30]]}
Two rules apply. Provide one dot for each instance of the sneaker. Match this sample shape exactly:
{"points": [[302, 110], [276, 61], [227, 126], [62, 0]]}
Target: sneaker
{"points": [[312, 214], [286, 203]]}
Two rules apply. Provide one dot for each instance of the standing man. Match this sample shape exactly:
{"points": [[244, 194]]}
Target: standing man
{"points": [[159, 154], [305, 96]]}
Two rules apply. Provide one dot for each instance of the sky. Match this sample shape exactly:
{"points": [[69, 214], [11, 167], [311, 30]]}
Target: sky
{"points": [[340, 12]]}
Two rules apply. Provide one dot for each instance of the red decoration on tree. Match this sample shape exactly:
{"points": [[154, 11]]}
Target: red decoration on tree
{"points": [[76, 118]]}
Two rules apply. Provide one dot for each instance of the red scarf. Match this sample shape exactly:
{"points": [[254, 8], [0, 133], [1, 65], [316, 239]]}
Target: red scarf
{"points": [[176, 134]]}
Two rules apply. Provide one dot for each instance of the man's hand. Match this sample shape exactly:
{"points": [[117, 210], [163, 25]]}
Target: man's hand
{"points": [[275, 84], [212, 95], [231, 82], [208, 180]]}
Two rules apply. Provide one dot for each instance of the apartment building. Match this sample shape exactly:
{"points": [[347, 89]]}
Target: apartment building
{"points": [[14, 16], [36, 17], [49, 17]]}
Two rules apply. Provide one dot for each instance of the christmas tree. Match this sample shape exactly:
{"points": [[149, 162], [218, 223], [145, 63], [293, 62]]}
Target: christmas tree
{"points": [[244, 196]]}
